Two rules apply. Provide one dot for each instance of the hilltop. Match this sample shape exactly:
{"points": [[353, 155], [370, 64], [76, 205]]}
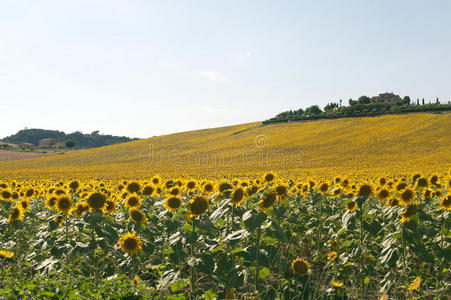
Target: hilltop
{"points": [[80, 140], [352, 146]]}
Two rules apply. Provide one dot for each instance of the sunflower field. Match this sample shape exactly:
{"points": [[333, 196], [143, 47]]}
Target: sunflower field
{"points": [[267, 237]]}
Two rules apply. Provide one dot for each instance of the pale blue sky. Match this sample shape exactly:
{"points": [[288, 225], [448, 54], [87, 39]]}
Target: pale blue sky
{"points": [[144, 68]]}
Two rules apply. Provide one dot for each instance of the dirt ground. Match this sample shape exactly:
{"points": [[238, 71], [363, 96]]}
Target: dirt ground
{"points": [[7, 155]]}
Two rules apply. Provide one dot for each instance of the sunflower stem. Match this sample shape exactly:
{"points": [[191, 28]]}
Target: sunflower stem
{"points": [[362, 273], [257, 266], [404, 258], [192, 255]]}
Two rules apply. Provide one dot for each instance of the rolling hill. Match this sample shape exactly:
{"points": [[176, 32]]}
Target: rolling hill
{"points": [[352, 147]]}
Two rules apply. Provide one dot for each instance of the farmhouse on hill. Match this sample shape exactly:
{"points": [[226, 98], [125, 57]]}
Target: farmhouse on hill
{"points": [[26, 145], [386, 98], [51, 143]]}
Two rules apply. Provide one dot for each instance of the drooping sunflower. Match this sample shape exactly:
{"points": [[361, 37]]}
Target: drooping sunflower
{"points": [[334, 244], [24, 204], [237, 196], [110, 206], [50, 202], [300, 266], [427, 194], [365, 190], [332, 255], [96, 201], [133, 201], [172, 203], [130, 243], [197, 206], [137, 216], [266, 200], [6, 254], [392, 202], [351, 206], [445, 203], [133, 187], [16, 214], [408, 212], [252, 189], [63, 205], [80, 208]]}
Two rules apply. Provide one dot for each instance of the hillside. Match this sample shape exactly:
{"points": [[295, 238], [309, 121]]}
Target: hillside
{"points": [[355, 146], [81, 140]]}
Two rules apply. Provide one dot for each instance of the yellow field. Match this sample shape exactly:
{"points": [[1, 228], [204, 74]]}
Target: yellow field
{"points": [[400, 145]]}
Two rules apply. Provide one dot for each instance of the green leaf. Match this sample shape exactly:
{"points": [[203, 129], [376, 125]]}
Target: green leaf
{"points": [[263, 273], [179, 284]]}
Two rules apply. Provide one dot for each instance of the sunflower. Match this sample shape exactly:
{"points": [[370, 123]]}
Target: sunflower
{"points": [[382, 194], [24, 204], [130, 243], [133, 187], [6, 254], [74, 185], [351, 206], [191, 185], [63, 205], [29, 193], [427, 194], [172, 203], [445, 203], [422, 183], [392, 202], [409, 211], [382, 181], [137, 216], [147, 190], [224, 187], [237, 196], [208, 187], [332, 255], [6, 195], [365, 190], [80, 208], [323, 187], [156, 180], [266, 200], [174, 191], [269, 177], [415, 284], [433, 180], [133, 201], [110, 206], [334, 244], [406, 195], [336, 283], [400, 186], [16, 214], [251, 190], [197, 206], [448, 183], [50, 202], [281, 191], [96, 201], [344, 183], [300, 266], [336, 192], [169, 183]]}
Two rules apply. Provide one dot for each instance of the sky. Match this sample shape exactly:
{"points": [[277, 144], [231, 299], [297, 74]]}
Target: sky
{"points": [[145, 68]]}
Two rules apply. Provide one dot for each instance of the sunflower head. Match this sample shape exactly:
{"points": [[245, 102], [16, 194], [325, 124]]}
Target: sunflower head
{"points": [[6, 254], [147, 190], [191, 185], [300, 266], [63, 205], [336, 283], [332, 255], [110, 206], [133, 187], [383, 194], [237, 196], [172, 203], [16, 214], [208, 187], [74, 185], [407, 195], [281, 190], [365, 190], [50, 202], [351, 206], [197, 206], [408, 212], [445, 203], [137, 216], [130, 243], [96, 201], [269, 177], [323, 187], [133, 201], [422, 183]]}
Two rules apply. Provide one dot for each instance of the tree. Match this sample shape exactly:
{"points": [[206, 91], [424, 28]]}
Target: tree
{"points": [[330, 107], [70, 144], [352, 102], [364, 100], [313, 110], [406, 100]]}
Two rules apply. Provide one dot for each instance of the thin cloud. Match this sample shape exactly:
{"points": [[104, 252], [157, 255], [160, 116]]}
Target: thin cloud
{"points": [[214, 76]]}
